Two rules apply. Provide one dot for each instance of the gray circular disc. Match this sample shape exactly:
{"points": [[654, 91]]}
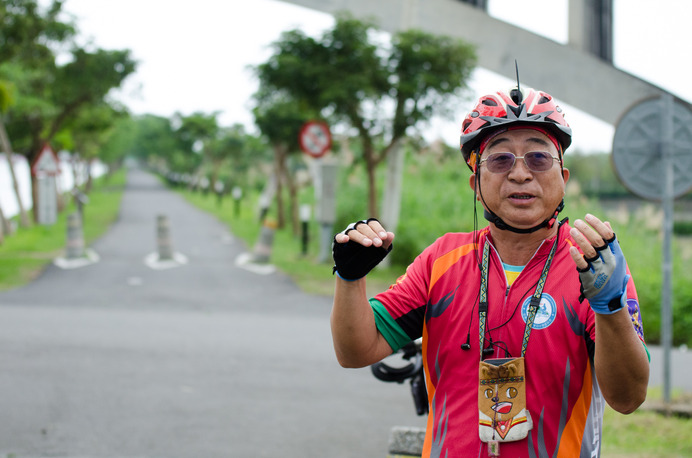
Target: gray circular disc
{"points": [[637, 155]]}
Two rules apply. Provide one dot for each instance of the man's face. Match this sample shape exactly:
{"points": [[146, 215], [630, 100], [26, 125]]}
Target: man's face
{"points": [[521, 197]]}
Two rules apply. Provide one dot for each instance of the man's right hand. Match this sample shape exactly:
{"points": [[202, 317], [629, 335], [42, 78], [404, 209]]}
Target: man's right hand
{"points": [[359, 248]]}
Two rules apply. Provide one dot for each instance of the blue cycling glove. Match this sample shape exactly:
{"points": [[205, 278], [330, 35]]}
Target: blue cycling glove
{"points": [[604, 280]]}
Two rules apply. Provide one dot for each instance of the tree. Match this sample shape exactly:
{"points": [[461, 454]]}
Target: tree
{"points": [[6, 100], [346, 75], [151, 139], [86, 134], [226, 150], [280, 119], [50, 95], [193, 134]]}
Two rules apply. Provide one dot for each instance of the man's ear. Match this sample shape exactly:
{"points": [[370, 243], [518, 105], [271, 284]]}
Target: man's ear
{"points": [[565, 175], [472, 184]]}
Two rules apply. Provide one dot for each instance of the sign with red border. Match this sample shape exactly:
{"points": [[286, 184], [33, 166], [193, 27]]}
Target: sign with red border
{"points": [[315, 138], [46, 162]]}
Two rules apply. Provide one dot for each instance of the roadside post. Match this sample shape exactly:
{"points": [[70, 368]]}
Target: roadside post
{"points": [[325, 188], [304, 214], [46, 168], [165, 257], [75, 237], [163, 238], [654, 165], [237, 194], [80, 200], [219, 190], [315, 140]]}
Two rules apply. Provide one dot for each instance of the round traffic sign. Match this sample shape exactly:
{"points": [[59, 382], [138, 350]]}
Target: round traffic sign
{"points": [[638, 149], [315, 138]]}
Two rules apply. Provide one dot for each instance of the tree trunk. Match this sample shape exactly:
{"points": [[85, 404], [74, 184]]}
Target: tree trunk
{"points": [[5, 143], [89, 178], [293, 199], [3, 226], [279, 155], [75, 172]]}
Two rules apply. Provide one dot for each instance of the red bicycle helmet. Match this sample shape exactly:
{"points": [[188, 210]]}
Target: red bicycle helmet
{"points": [[498, 110]]}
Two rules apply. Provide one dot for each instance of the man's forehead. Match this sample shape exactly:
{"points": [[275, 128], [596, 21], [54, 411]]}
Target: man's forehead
{"points": [[521, 135]]}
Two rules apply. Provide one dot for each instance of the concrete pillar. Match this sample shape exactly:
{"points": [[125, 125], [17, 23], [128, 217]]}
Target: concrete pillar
{"points": [[263, 248], [163, 238], [406, 441], [75, 237], [591, 27]]}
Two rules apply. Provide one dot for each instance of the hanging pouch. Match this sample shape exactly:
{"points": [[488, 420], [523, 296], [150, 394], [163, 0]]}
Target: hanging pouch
{"points": [[502, 412]]}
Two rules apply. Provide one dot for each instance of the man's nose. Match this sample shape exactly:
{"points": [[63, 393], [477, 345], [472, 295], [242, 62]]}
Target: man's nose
{"points": [[520, 170]]}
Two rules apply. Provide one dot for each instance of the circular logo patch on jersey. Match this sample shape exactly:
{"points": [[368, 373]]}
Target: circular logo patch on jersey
{"points": [[546, 313]]}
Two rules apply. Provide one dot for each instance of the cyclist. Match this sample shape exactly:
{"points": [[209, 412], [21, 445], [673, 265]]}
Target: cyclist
{"points": [[528, 324]]}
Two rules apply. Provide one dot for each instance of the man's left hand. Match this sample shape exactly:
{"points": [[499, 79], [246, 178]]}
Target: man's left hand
{"points": [[602, 267]]}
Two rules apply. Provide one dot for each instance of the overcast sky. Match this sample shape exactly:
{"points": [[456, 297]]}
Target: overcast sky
{"points": [[193, 55]]}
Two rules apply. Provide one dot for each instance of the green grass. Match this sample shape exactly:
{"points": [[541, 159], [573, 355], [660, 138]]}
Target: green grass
{"points": [[645, 434], [25, 253]]}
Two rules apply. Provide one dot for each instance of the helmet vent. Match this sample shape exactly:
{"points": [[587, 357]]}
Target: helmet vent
{"points": [[543, 99], [489, 102]]}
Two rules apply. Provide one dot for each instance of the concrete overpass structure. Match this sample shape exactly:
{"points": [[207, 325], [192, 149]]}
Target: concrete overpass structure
{"points": [[572, 72]]}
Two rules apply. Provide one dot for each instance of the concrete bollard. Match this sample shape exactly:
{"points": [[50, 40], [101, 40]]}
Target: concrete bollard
{"points": [[163, 238], [406, 441], [164, 257], [263, 248], [75, 237]]}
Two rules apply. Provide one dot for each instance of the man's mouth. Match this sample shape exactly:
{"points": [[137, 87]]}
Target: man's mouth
{"points": [[521, 196]]}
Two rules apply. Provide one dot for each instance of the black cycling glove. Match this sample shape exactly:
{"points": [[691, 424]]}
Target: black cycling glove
{"points": [[352, 260]]}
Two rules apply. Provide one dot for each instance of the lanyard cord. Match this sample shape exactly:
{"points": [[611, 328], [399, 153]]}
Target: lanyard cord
{"points": [[533, 305]]}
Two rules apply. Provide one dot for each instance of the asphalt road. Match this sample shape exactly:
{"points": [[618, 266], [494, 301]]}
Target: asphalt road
{"points": [[118, 359]]}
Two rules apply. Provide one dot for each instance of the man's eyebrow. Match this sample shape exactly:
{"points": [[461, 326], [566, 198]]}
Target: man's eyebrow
{"points": [[500, 140]]}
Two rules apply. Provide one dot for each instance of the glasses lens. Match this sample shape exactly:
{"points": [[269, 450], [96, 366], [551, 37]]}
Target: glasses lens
{"points": [[500, 162], [538, 161]]}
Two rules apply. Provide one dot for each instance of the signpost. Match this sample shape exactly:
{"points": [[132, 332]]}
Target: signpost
{"points": [[652, 155], [315, 140], [45, 168]]}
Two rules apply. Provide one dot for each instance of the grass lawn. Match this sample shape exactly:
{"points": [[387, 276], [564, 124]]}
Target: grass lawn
{"points": [[25, 253]]}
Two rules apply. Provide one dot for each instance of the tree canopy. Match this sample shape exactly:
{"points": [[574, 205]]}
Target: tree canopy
{"points": [[351, 78]]}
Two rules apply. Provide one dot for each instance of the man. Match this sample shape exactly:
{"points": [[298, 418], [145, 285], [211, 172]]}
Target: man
{"points": [[527, 324]]}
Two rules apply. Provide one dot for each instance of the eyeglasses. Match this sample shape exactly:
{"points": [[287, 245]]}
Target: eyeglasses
{"points": [[536, 161]]}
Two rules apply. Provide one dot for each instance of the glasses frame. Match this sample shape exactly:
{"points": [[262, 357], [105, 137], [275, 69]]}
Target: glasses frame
{"points": [[515, 161]]}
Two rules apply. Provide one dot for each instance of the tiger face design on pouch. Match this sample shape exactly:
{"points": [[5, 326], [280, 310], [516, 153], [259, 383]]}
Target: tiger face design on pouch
{"points": [[502, 400]]}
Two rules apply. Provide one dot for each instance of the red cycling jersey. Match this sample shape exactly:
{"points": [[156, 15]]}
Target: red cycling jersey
{"points": [[437, 299]]}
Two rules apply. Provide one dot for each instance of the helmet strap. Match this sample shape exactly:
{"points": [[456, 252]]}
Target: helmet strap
{"points": [[500, 224]]}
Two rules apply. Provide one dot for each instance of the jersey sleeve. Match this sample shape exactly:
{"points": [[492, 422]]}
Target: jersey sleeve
{"points": [[633, 307], [400, 310]]}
